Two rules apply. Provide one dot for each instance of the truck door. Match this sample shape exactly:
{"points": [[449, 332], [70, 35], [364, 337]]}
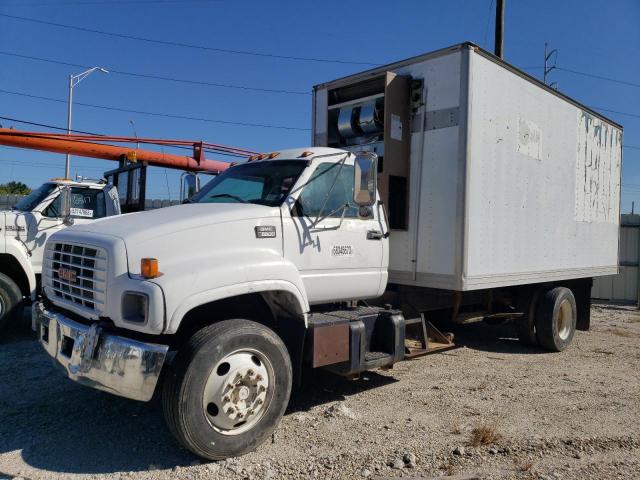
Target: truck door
{"points": [[341, 256], [87, 204]]}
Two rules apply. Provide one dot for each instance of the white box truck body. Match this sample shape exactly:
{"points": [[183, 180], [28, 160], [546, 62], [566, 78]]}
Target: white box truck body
{"points": [[507, 180]]}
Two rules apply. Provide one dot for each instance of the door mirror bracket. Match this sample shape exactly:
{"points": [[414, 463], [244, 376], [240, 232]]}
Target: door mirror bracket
{"points": [[65, 202]]}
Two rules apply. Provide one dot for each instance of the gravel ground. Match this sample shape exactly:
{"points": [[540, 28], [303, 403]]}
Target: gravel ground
{"points": [[572, 415]]}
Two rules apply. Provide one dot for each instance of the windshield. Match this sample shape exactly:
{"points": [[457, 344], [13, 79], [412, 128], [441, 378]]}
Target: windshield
{"points": [[34, 199], [264, 182]]}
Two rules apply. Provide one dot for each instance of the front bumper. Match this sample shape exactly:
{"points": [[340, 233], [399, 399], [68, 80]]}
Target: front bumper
{"points": [[98, 359]]}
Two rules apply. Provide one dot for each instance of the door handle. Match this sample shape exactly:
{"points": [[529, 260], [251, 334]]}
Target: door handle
{"points": [[374, 235]]}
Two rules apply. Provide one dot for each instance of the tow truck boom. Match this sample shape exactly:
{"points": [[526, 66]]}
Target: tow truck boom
{"points": [[88, 146]]}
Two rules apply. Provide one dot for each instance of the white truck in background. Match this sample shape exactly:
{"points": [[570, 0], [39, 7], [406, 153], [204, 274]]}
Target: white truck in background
{"points": [[447, 186], [25, 228]]}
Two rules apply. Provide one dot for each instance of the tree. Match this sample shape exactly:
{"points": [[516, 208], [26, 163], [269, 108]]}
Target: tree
{"points": [[14, 188]]}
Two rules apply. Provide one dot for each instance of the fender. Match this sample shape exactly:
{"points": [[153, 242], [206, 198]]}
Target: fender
{"points": [[233, 291], [17, 250]]}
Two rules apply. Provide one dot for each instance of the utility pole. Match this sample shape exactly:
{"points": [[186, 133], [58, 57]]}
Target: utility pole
{"points": [[547, 56], [499, 37]]}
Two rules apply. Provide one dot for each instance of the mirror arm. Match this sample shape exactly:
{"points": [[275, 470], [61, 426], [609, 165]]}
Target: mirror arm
{"points": [[344, 211], [386, 230], [326, 197]]}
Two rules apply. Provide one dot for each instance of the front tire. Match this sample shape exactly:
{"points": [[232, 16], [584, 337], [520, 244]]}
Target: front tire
{"points": [[227, 389], [10, 300], [556, 318]]}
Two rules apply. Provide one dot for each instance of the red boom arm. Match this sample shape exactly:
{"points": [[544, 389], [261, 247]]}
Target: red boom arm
{"points": [[86, 146]]}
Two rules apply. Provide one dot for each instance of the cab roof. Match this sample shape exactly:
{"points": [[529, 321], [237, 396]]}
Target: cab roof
{"points": [[306, 153]]}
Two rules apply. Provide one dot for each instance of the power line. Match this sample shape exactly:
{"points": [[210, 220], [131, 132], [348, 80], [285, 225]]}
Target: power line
{"points": [[106, 2], [35, 124], [599, 77], [158, 114], [226, 122], [186, 45], [636, 115], [159, 77], [486, 27]]}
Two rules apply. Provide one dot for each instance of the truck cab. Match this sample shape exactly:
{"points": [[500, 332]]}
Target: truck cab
{"points": [[264, 254], [25, 228]]}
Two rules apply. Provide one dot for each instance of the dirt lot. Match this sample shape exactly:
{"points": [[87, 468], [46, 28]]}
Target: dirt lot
{"points": [[573, 415]]}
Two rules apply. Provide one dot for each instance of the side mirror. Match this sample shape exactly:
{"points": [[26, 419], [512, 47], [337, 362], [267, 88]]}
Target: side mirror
{"points": [[189, 185], [65, 205], [365, 179]]}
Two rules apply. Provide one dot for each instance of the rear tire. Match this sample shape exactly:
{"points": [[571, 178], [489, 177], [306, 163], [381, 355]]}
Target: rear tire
{"points": [[526, 325], [10, 300], [227, 389], [556, 319]]}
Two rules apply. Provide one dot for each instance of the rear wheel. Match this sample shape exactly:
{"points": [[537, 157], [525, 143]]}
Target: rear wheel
{"points": [[526, 325], [10, 300], [227, 389], [556, 319]]}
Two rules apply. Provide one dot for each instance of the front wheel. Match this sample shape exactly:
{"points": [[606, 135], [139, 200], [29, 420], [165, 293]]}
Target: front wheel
{"points": [[10, 300], [227, 389]]}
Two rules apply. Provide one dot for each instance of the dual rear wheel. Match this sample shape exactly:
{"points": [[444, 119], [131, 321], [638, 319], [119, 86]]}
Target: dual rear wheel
{"points": [[549, 320]]}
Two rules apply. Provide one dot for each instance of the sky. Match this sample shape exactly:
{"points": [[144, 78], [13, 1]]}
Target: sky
{"points": [[244, 43]]}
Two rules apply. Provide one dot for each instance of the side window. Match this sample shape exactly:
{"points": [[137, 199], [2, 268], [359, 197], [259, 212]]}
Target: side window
{"points": [[85, 203], [318, 190], [53, 210]]}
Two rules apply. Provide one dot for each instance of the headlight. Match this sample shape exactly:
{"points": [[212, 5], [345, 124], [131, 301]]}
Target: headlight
{"points": [[135, 307]]}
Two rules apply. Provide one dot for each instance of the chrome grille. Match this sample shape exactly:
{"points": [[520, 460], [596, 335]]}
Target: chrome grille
{"points": [[76, 275]]}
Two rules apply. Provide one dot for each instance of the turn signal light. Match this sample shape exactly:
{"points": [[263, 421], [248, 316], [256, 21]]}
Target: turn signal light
{"points": [[149, 268]]}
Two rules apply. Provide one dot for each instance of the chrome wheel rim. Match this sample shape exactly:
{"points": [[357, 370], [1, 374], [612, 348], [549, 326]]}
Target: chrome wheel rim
{"points": [[2, 308], [238, 391], [564, 319]]}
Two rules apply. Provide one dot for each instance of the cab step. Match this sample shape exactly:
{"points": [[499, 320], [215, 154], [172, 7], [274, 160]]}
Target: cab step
{"points": [[351, 341]]}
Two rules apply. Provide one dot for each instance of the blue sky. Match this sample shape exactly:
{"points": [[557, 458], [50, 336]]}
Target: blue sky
{"points": [[599, 38]]}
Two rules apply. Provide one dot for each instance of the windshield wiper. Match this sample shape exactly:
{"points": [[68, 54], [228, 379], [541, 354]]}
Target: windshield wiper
{"points": [[229, 195]]}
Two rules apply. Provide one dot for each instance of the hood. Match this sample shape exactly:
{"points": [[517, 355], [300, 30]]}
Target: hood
{"points": [[138, 227]]}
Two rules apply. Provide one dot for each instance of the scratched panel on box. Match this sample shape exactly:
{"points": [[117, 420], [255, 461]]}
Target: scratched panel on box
{"points": [[598, 163]]}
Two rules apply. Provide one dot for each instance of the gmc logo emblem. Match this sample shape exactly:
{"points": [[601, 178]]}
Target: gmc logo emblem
{"points": [[67, 274]]}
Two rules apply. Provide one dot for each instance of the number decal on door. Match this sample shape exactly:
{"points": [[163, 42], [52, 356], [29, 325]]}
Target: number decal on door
{"points": [[342, 251]]}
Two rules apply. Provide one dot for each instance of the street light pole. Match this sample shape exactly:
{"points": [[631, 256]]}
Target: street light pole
{"points": [[73, 81], [67, 163]]}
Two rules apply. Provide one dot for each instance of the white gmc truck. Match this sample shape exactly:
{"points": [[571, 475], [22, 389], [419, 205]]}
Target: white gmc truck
{"points": [[25, 228], [449, 186]]}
